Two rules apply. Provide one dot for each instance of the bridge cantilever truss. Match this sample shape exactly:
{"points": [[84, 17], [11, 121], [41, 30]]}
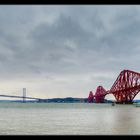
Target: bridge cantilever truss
{"points": [[124, 89]]}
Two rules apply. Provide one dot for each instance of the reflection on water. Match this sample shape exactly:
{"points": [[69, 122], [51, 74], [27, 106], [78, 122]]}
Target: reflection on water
{"points": [[71, 119]]}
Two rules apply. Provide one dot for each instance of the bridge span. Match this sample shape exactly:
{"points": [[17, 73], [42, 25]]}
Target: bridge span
{"points": [[11, 96]]}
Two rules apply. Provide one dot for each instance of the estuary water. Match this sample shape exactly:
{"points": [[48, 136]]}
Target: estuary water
{"points": [[68, 119]]}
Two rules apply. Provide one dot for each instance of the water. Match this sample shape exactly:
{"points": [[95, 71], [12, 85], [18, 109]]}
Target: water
{"points": [[68, 119]]}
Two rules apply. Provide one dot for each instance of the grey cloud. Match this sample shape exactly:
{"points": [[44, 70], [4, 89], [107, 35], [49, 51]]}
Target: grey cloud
{"points": [[53, 42], [63, 29]]}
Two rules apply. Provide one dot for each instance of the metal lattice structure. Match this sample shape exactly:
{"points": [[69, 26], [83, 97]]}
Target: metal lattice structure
{"points": [[90, 97], [100, 94], [124, 89], [126, 86]]}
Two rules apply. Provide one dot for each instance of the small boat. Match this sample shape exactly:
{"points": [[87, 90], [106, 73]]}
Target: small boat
{"points": [[137, 105], [113, 104]]}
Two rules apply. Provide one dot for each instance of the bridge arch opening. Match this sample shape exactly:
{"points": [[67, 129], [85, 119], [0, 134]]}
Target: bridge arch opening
{"points": [[110, 97], [137, 97]]}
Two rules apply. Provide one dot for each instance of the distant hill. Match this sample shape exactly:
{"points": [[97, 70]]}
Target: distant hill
{"points": [[56, 100], [136, 101], [65, 100]]}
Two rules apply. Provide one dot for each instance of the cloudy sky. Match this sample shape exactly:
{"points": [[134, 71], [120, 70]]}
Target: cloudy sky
{"points": [[66, 50]]}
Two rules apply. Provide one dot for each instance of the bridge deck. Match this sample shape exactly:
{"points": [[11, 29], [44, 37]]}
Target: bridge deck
{"points": [[11, 96]]}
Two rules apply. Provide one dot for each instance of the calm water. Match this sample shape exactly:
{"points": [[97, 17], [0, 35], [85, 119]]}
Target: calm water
{"points": [[68, 119]]}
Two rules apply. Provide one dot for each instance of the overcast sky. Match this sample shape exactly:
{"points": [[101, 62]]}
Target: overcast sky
{"points": [[68, 50]]}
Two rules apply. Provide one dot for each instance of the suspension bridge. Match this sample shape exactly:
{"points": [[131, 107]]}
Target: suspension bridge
{"points": [[124, 89], [24, 97]]}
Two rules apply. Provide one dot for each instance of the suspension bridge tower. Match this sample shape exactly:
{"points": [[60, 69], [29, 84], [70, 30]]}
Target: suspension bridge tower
{"points": [[24, 95]]}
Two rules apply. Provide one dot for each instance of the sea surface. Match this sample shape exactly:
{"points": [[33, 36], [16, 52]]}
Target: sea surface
{"points": [[68, 119]]}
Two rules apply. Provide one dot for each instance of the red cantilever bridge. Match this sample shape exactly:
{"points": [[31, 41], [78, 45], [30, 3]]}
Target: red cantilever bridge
{"points": [[124, 89]]}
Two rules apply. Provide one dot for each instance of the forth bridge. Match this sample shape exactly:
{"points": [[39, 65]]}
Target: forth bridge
{"points": [[124, 89]]}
